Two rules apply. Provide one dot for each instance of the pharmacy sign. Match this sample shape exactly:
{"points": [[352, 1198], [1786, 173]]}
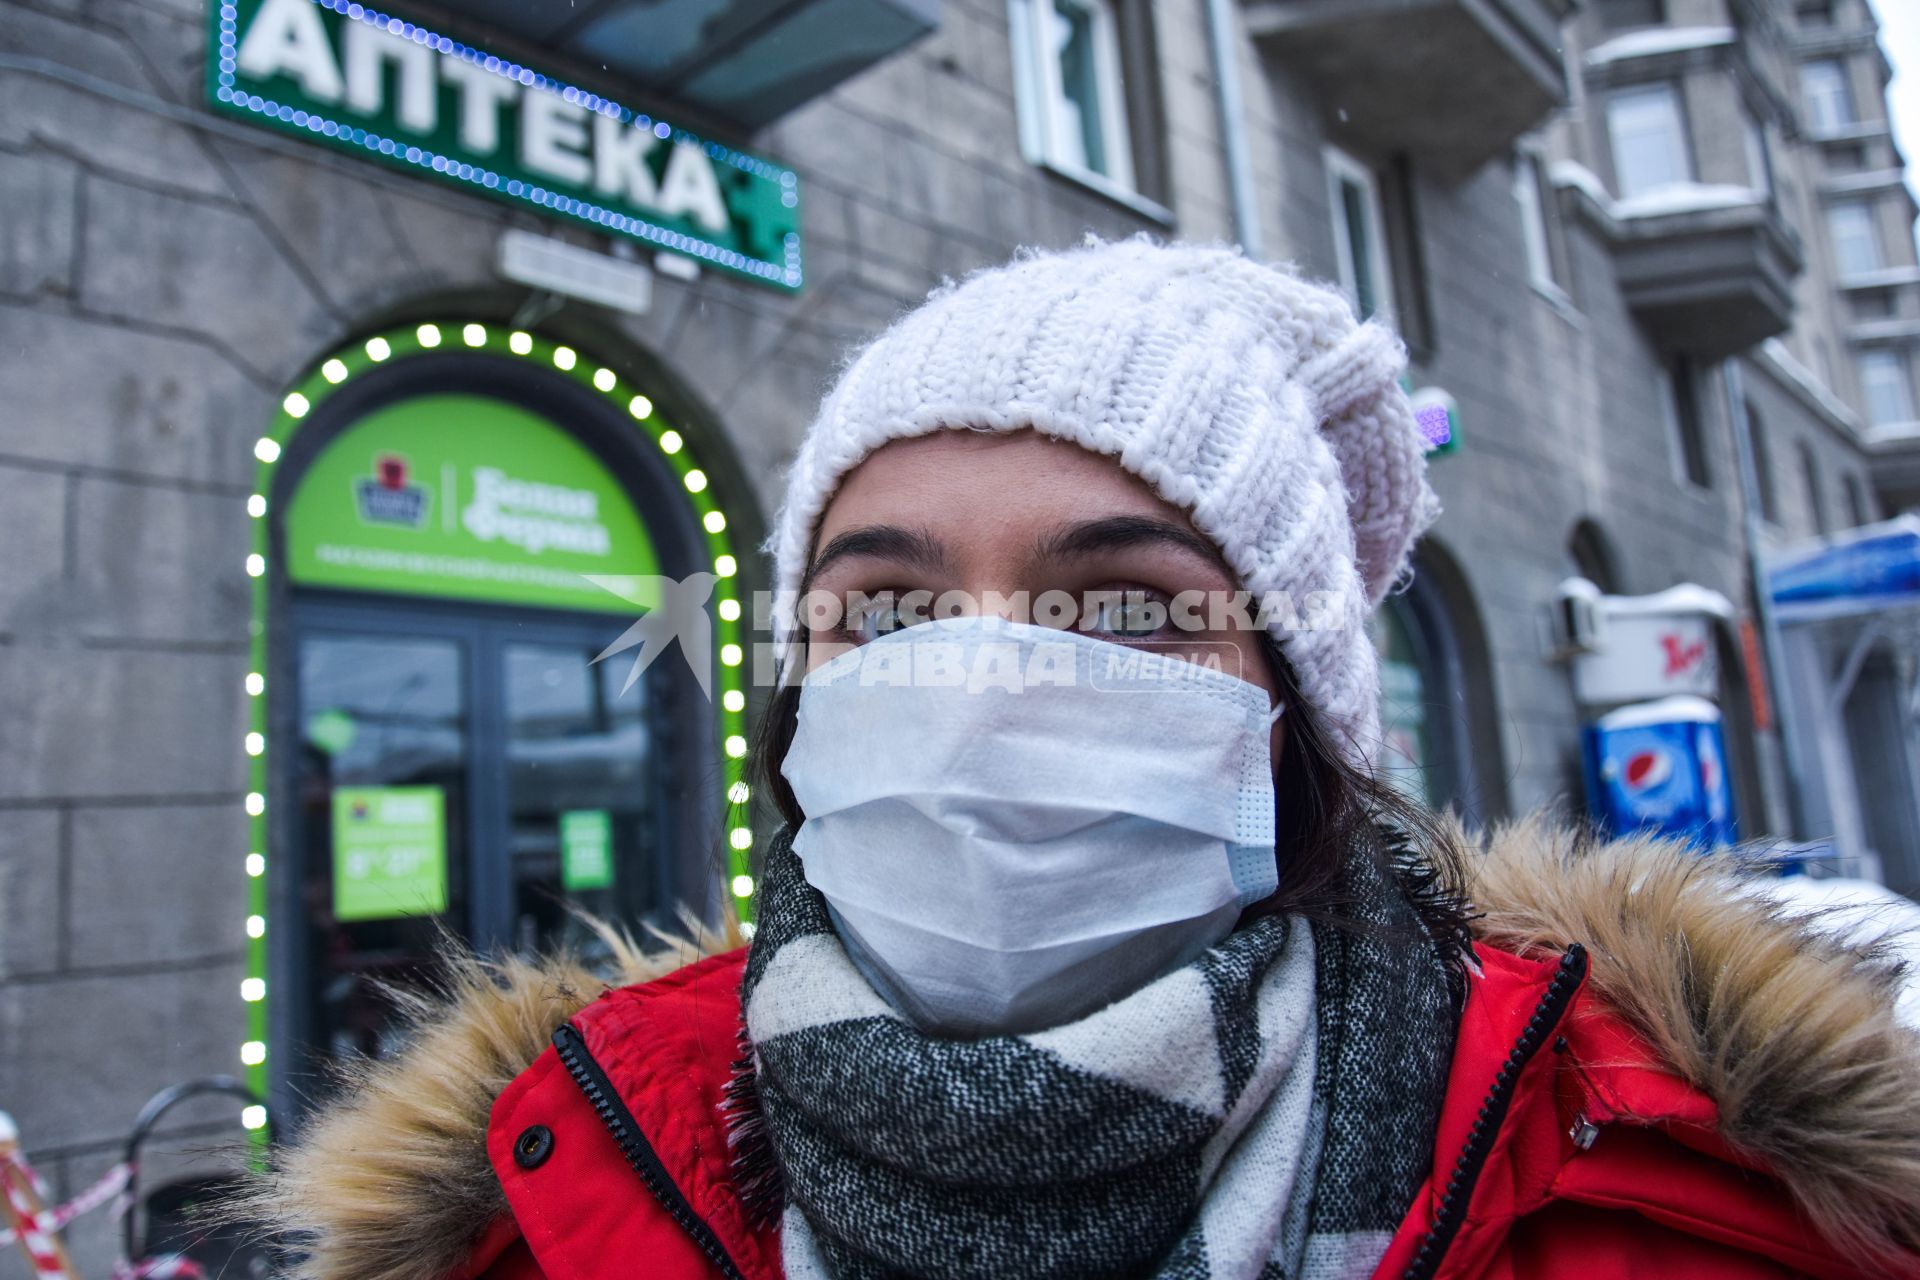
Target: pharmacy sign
{"points": [[378, 86]]}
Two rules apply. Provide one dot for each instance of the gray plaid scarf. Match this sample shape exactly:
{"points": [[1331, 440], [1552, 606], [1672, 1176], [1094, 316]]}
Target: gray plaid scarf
{"points": [[1265, 1112]]}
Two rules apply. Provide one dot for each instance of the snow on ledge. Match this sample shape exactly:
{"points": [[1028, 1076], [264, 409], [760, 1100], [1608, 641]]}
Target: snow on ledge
{"points": [[1686, 197], [1571, 173], [1657, 40], [1775, 352]]}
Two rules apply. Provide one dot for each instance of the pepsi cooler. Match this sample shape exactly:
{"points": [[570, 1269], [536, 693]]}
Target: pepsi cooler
{"points": [[1660, 767]]}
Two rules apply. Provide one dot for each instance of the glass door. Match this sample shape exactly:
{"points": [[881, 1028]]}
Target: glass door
{"points": [[585, 824], [473, 774], [383, 789]]}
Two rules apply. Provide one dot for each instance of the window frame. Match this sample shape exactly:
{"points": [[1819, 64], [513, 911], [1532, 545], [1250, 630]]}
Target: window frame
{"points": [[1682, 138], [1686, 437], [1345, 168], [1812, 478], [1842, 88], [1898, 365], [1038, 88], [1870, 225], [1530, 194]]}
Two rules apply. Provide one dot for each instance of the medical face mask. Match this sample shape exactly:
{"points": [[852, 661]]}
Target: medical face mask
{"points": [[1014, 825]]}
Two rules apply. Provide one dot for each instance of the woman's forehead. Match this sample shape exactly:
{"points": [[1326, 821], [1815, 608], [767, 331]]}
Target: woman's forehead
{"points": [[977, 484]]}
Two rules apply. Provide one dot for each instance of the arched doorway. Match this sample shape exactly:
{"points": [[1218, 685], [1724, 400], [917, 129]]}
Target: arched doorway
{"points": [[454, 525], [1442, 744], [1879, 717]]}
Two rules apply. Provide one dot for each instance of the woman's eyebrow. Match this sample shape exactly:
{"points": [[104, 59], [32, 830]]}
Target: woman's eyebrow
{"points": [[1118, 533], [915, 547]]}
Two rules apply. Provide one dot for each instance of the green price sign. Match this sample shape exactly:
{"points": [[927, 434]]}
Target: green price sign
{"points": [[389, 852], [586, 849]]}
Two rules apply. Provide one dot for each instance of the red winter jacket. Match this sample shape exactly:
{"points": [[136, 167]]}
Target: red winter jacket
{"points": [[1568, 1144]]}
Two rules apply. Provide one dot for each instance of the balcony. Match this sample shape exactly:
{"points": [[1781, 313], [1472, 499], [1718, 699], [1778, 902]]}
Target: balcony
{"points": [[1453, 82], [742, 62], [1706, 270]]}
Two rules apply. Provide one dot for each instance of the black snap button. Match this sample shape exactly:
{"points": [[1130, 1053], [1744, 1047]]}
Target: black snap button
{"points": [[533, 1146]]}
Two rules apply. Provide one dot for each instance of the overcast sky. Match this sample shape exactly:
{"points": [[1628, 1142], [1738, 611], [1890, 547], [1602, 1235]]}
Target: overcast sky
{"points": [[1900, 37]]}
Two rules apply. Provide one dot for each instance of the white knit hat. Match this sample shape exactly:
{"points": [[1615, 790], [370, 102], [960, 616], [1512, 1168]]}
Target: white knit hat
{"points": [[1240, 393]]}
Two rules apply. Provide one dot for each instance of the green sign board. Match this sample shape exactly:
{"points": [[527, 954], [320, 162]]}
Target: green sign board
{"points": [[378, 86], [389, 852], [586, 849], [466, 497]]}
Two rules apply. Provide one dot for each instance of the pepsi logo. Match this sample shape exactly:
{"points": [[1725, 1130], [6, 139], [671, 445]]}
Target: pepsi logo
{"points": [[1647, 769]]}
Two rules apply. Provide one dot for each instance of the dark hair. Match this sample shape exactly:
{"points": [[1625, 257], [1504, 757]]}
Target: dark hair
{"points": [[1329, 812]]}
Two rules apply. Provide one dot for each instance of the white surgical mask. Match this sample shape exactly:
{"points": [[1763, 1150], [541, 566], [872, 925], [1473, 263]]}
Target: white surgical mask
{"points": [[1014, 825]]}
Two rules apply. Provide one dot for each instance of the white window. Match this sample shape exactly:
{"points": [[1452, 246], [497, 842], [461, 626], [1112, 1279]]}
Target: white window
{"points": [[1359, 234], [1885, 387], [1829, 101], [1856, 243], [1649, 140], [1759, 170], [1528, 194], [1073, 113]]}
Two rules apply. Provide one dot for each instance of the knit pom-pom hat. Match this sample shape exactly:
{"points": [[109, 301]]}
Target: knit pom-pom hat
{"points": [[1241, 393]]}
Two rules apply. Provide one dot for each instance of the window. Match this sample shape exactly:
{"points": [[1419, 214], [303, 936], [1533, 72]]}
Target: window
{"points": [[1529, 194], [1073, 103], [1689, 442], [1859, 506], [1762, 466], [1856, 242], [1649, 140], [1816, 496], [1829, 101], [1359, 236], [1618, 15], [1814, 14], [1759, 166], [1886, 387]]}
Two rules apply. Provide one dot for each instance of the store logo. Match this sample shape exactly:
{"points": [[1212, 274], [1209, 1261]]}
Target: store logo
{"points": [[1646, 770], [1682, 657], [535, 517], [386, 497]]}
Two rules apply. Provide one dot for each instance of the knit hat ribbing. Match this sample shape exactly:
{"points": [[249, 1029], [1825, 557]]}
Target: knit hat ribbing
{"points": [[1241, 393]]}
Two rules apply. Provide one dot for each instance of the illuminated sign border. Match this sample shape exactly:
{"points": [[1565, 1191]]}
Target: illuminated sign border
{"points": [[679, 455], [230, 95]]}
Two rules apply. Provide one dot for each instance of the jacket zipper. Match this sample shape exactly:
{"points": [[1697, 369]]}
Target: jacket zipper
{"points": [[633, 1144], [1493, 1113]]}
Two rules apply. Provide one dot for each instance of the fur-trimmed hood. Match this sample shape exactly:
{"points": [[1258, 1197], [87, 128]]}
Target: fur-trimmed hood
{"points": [[1791, 1032]]}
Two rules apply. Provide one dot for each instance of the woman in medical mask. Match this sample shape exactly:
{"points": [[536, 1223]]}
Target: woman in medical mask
{"points": [[1092, 944]]}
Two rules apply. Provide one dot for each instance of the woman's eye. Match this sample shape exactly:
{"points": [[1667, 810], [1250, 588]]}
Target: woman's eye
{"points": [[1134, 616], [875, 619]]}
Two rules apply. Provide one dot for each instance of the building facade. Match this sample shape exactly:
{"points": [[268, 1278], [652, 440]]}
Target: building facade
{"points": [[340, 348]]}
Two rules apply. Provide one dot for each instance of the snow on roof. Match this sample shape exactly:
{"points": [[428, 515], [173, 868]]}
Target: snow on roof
{"points": [[1686, 197], [1681, 708], [1688, 597], [1656, 40]]}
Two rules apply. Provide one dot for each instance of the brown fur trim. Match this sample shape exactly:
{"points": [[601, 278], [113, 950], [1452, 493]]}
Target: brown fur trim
{"points": [[392, 1181], [1792, 1033]]}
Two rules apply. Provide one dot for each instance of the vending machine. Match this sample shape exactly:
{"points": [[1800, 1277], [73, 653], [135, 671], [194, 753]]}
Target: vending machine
{"points": [[1660, 767]]}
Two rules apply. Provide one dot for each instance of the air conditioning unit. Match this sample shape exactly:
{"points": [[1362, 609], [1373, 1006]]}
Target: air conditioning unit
{"points": [[1579, 623]]}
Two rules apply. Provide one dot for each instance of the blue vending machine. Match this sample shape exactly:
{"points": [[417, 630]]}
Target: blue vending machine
{"points": [[1661, 767]]}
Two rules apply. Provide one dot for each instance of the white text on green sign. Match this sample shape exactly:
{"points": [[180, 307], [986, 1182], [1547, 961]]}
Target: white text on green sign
{"points": [[343, 74]]}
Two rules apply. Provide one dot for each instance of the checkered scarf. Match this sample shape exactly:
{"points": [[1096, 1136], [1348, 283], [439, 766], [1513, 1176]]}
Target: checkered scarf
{"points": [[1265, 1112]]}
